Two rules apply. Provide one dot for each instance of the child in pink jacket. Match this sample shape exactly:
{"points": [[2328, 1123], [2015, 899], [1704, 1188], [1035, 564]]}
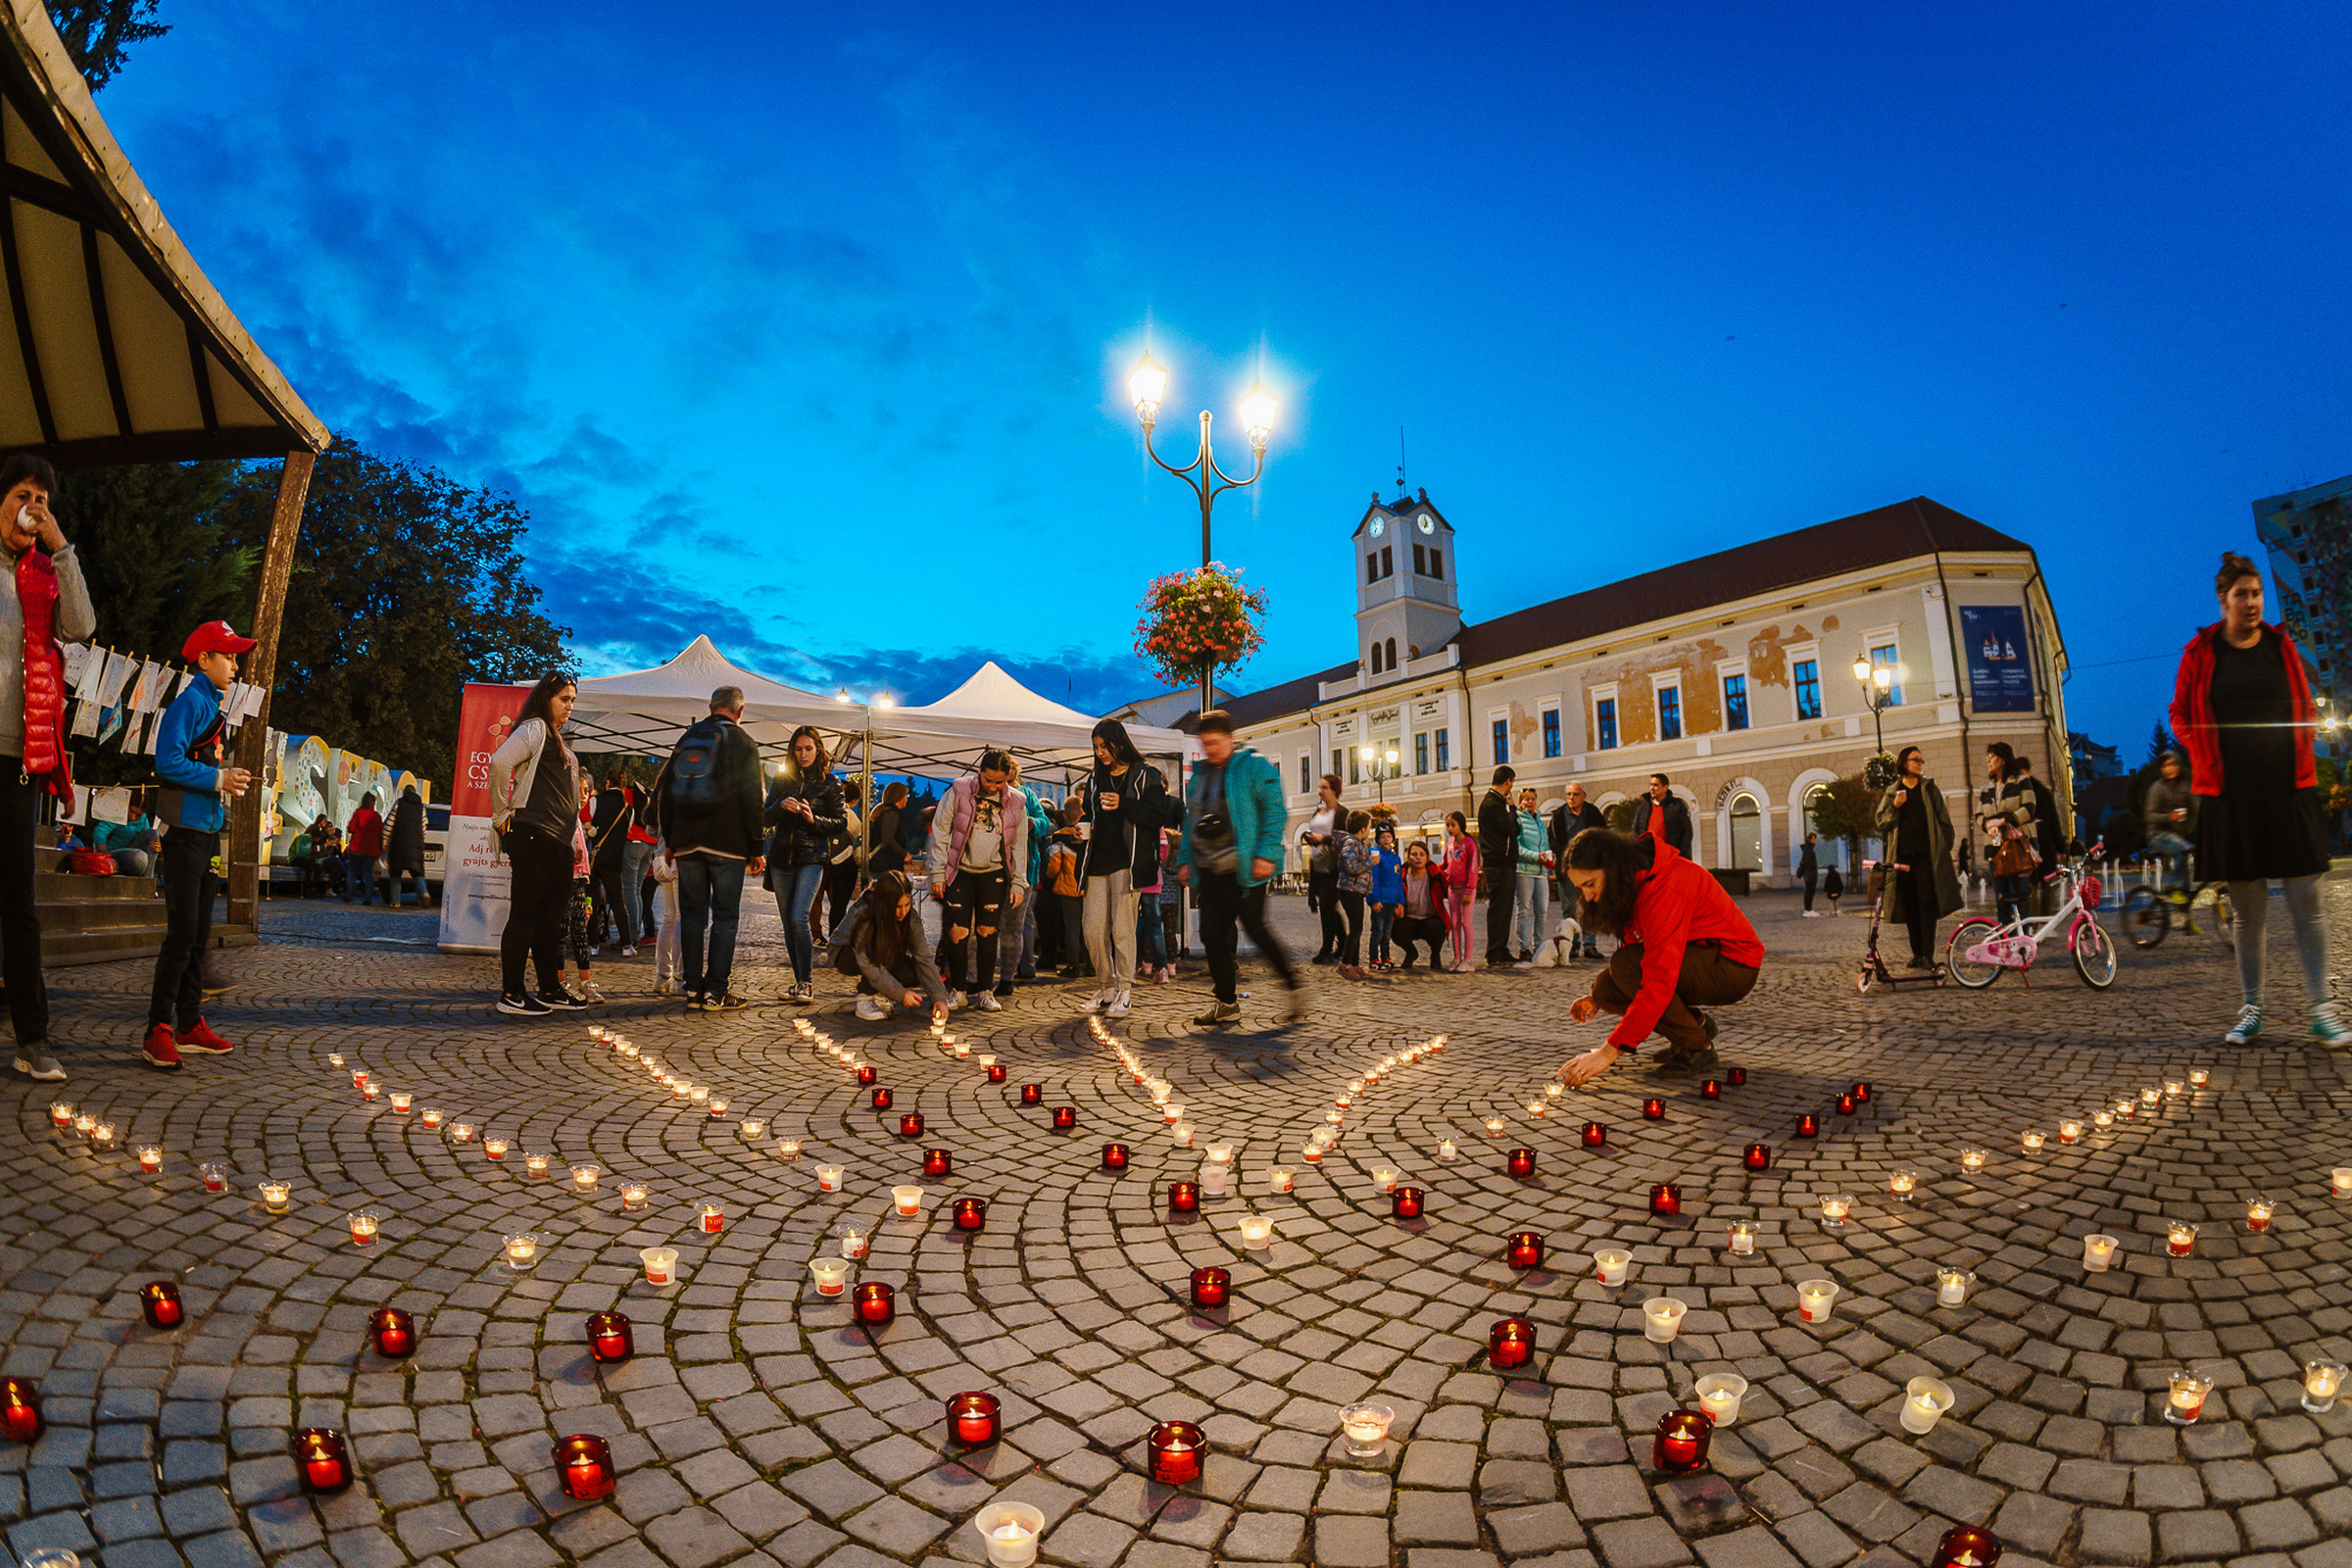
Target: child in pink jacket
{"points": [[1461, 865]]}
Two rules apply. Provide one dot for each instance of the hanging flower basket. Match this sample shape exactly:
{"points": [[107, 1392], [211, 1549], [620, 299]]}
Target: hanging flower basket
{"points": [[1196, 623]]}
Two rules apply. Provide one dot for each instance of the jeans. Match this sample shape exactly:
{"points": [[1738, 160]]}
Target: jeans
{"points": [[1384, 915], [1811, 883], [1533, 904], [796, 887], [1351, 941], [613, 899], [188, 886], [19, 921], [1110, 930], [1224, 902], [1024, 938], [1707, 979], [1151, 936], [2009, 897], [2174, 851], [2250, 903], [361, 870], [636, 867], [709, 898], [975, 908], [538, 891]]}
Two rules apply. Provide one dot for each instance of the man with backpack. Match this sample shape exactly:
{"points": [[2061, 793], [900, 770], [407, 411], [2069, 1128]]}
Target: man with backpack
{"points": [[708, 804]]}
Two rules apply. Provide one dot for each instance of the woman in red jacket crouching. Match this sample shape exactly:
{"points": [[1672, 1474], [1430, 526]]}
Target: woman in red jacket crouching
{"points": [[1682, 945]]}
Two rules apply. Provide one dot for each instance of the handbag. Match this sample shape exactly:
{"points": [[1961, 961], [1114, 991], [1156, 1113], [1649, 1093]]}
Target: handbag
{"points": [[2015, 858]]}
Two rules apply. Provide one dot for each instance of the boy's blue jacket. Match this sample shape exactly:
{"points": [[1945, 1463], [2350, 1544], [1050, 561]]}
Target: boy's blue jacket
{"points": [[188, 757]]}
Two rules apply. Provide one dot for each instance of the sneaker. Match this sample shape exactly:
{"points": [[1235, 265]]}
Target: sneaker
{"points": [[1523, 964], [1323, 958], [665, 988], [694, 1002], [1706, 1021], [523, 1007], [956, 999], [1349, 971], [1095, 1003], [2327, 1028], [34, 1061], [1117, 1007], [158, 1049], [871, 1009], [2248, 1025], [563, 1001], [1005, 987], [595, 950], [201, 1042], [589, 994], [628, 952], [1219, 1015], [729, 1002]]}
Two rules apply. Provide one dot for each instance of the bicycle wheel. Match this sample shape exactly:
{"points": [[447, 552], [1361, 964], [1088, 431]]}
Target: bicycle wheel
{"points": [[2094, 953], [2146, 917], [1966, 935]]}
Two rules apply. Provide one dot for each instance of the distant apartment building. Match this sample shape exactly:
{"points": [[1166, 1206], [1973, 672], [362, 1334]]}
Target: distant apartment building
{"points": [[2309, 535]]}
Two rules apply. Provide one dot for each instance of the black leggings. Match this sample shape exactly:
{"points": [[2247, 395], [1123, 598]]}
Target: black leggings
{"points": [[19, 921], [538, 896], [1919, 907], [1324, 888]]}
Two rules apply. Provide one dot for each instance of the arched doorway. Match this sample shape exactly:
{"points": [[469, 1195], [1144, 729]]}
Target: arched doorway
{"points": [[1829, 852], [1747, 832]]}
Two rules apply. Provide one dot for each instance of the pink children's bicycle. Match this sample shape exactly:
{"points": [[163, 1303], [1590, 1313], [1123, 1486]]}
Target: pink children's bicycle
{"points": [[1981, 947]]}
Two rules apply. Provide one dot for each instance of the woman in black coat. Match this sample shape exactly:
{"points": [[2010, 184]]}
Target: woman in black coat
{"points": [[804, 816], [404, 851]]}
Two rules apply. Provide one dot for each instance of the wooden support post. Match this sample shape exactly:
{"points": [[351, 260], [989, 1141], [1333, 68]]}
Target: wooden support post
{"points": [[242, 856]]}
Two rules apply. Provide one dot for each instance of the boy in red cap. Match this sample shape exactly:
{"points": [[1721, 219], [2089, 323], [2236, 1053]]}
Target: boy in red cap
{"points": [[191, 757]]}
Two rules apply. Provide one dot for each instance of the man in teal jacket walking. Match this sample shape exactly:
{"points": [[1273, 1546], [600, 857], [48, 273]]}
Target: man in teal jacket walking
{"points": [[1233, 838], [191, 757]]}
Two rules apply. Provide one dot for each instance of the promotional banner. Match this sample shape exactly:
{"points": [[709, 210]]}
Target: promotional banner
{"points": [[2000, 664], [473, 880]]}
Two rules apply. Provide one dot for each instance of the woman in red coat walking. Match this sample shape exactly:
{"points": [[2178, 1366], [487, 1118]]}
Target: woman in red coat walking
{"points": [[2243, 706], [1681, 945]]}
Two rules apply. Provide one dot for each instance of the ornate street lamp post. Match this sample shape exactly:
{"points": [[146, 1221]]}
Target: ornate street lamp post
{"points": [[1878, 689]]}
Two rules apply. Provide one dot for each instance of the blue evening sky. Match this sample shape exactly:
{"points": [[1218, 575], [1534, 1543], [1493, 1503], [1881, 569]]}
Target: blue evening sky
{"points": [[808, 325]]}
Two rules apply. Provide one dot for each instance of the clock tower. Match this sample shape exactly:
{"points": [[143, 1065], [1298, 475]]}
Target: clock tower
{"points": [[1405, 604]]}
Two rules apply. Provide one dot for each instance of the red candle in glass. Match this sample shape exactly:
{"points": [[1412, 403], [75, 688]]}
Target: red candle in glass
{"points": [[1511, 1343], [20, 1411], [1967, 1547], [159, 1299], [1653, 1109], [1666, 1198], [1806, 1126], [1595, 1134], [1176, 1449], [585, 1465], [1115, 1156], [1861, 1090], [1845, 1105], [321, 1460], [911, 1125], [1184, 1198], [974, 1418], [1711, 1090], [996, 1072], [1065, 1117], [1520, 1162], [1738, 1077], [1405, 1202], [970, 1212], [881, 1100], [1525, 1249], [875, 1304], [1033, 1095], [1681, 1441], [1211, 1287], [394, 1333], [938, 1163], [1758, 1156], [611, 1337], [866, 1077]]}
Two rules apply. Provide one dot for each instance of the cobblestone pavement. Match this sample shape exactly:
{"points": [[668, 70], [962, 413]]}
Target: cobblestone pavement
{"points": [[757, 1423]]}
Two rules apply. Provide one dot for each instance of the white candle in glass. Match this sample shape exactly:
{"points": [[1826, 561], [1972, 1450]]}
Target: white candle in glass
{"points": [[1495, 1126], [1742, 1238], [699, 1093], [1212, 1181], [1951, 1286], [1662, 1318], [831, 1274], [1904, 1183], [633, 1197], [363, 1226], [1834, 1207], [2098, 1253], [534, 1165], [1256, 1230], [1611, 1265], [2340, 1182], [1816, 1299], [1924, 1403], [850, 1234], [788, 1149], [402, 1100], [1445, 1148], [908, 1200], [584, 1178], [1279, 1179], [1010, 1531], [1719, 1394], [661, 1264], [521, 1252], [1182, 1133], [276, 1197], [1971, 1160], [752, 1128], [1220, 1154], [1384, 1179], [2030, 1143], [828, 1178], [2322, 1381], [1366, 1428]]}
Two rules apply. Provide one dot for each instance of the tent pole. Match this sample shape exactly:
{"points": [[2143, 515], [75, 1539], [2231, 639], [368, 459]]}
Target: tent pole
{"points": [[865, 780]]}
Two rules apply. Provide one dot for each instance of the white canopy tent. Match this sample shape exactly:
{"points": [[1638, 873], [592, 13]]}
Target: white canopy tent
{"points": [[642, 713], [992, 709]]}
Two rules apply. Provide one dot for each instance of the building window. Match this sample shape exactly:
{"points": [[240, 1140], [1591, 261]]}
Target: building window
{"points": [[1336, 756], [1735, 702], [1747, 832], [1670, 712], [1551, 732], [1372, 566], [1388, 562], [1503, 741], [1436, 562], [1604, 721], [1420, 562], [1808, 688], [1355, 760], [1392, 652], [1890, 656], [1421, 754], [1306, 774], [1376, 656], [1445, 760]]}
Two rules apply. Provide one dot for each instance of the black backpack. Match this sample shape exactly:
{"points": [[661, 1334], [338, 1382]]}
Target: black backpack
{"points": [[694, 768]]}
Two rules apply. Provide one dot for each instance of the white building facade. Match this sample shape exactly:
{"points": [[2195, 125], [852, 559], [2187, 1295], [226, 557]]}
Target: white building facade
{"points": [[1734, 674]]}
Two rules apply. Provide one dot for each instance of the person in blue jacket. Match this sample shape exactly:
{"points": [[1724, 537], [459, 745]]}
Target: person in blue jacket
{"points": [[1386, 899], [191, 757], [1234, 821]]}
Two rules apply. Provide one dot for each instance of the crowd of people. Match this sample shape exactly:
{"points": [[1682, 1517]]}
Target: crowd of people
{"points": [[1084, 889], [346, 862]]}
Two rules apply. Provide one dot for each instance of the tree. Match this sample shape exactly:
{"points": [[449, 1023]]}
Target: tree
{"points": [[155, 553], [2159, 743], [98, 34], [406, 585], [1847, 809]]}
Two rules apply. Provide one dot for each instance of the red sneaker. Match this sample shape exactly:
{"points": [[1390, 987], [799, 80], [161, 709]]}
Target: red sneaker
{"points": [[158, 1049], [202, 1041]]}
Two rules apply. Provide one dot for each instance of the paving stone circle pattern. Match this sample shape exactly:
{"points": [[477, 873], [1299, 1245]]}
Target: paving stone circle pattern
{"points": [[759, 1423]]}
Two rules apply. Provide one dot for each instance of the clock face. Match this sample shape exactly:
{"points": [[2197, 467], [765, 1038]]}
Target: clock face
{"points": [[1380, 525], [1428, 524]]}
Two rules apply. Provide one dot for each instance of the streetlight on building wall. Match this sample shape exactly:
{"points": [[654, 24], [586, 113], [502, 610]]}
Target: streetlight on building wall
{"points": [[1878, 689], [1147, 387], [1382, 767]]}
